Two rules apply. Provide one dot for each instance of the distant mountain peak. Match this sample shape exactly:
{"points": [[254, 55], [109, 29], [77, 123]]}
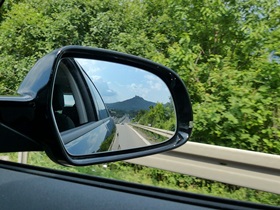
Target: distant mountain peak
{"points": [[138, 97], [136, 103]]}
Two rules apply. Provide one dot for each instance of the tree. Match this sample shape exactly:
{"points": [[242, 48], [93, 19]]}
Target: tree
{"points": [[221, 49]]}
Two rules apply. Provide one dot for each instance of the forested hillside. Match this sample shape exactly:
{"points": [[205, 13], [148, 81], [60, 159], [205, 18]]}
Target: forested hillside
{"points": [[226, 51]]}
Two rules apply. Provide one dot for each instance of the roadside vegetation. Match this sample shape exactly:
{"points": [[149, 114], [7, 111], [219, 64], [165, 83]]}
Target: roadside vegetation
{"points": [[226, 52], [159, 116]]}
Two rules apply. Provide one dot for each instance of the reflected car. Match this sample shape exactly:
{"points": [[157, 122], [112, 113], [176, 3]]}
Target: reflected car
{"points": [[77, 105]]}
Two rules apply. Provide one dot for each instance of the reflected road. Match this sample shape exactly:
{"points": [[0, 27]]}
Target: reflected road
{"points": [[127, 138]]}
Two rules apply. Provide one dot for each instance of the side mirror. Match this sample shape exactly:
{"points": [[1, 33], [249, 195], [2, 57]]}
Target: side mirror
{"points": [[93, 105]]}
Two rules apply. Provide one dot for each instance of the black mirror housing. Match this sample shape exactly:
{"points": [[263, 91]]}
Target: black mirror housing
{"points": [[33, 108]]}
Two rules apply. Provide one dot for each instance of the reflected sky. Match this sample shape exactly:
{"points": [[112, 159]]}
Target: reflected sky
{"points": [[117, 82]]}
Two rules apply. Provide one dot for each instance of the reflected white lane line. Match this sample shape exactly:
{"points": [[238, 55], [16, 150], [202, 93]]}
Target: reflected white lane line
{"points": [[141, 137]]}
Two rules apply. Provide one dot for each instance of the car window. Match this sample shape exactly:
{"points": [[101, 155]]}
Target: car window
{"points": [[99, 103], [69, 100], [68, 104], [226, 52]]}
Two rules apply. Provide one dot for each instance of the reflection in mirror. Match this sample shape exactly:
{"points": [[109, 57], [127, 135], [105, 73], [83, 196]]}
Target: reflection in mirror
{"points": [[117, 107]]}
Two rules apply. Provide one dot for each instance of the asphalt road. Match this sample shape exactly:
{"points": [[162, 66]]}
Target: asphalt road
{"points": [[127, 138]]}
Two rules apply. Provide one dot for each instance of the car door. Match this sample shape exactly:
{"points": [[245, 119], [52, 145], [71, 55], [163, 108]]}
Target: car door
{"points": [[83, 120]]}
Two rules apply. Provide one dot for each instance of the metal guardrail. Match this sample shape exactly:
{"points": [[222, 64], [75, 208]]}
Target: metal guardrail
{"points": [[255, 170]]}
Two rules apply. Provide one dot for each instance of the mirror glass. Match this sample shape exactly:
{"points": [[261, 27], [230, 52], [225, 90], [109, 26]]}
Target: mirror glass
{"points": [[103, 106]]}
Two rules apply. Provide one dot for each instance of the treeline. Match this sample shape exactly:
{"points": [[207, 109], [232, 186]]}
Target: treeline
{"points": [[225, 51], [159, 116]]}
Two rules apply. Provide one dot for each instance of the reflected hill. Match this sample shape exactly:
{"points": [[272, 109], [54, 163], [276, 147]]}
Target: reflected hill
{"points": [[134, 104]]}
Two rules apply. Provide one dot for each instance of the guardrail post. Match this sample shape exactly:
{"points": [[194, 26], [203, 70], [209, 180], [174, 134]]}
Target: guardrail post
{"points": [[22, 157]]}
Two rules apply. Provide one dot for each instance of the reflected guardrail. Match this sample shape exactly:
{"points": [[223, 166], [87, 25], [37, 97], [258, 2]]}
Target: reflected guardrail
{"points": [[250, 169], [161, 132]]}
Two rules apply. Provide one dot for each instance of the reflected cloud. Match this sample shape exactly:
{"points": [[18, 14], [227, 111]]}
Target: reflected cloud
{"points": [[138, 90], [154, 82], [118, 82]]}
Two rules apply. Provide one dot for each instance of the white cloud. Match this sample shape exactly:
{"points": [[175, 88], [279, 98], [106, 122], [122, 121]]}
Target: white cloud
{"points": [[90, 66], [103, 87], [95, 78], [154, 82]]}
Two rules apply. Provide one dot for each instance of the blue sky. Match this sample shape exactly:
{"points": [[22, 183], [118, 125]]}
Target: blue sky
{"points": [[117, 82]]}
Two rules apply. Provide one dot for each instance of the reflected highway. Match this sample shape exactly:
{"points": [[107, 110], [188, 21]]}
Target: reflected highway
{"points": [[127, 138]]}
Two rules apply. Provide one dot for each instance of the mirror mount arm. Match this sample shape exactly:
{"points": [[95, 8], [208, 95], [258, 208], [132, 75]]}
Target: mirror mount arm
{"points": [[16, 141]]}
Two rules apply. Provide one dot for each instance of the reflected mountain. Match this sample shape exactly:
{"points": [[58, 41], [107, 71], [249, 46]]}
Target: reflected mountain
{"points": [[134, 104]]}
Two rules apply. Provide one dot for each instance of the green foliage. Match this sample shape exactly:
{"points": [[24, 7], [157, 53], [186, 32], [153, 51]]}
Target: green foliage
{"points": [[241, 112], [158, 116]]}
